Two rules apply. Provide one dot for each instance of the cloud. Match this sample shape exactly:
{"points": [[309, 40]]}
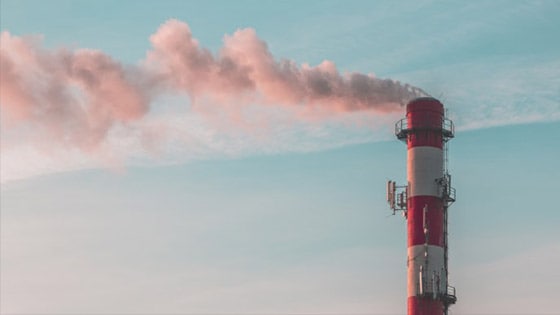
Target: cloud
{"points": [[496, 91]]}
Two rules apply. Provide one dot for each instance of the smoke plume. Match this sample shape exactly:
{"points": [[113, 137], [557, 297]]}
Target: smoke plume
{"points": [[245, 67], [75, 97]]}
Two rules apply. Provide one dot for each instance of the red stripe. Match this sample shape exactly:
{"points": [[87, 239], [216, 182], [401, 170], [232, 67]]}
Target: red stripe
{"points": [[424, 306], [434, 220], [425, 118]]}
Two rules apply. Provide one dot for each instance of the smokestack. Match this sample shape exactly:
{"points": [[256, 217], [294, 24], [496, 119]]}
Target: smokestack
{"points": [[428, 196]]}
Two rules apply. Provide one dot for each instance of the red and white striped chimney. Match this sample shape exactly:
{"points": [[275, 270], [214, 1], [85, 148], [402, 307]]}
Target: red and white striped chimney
{"points": [[426, 272], [428, 194]]}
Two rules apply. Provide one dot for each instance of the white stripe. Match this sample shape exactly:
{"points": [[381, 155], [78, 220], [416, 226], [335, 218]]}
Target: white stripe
{"points": [[425, 166], [429, 259]]}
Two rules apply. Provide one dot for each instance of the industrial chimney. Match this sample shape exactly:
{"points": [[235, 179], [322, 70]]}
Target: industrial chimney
{"points": [[424, 202]]}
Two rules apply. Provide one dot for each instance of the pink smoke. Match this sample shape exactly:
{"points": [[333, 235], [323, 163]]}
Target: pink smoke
{"points": [[245, 67], [76, 97]]}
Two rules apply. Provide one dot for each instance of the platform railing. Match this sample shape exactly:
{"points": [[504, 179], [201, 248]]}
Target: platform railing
{"points": [[402, 130]]}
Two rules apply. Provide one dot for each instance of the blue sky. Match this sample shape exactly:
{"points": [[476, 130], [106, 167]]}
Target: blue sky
{"points": [[292, 220]]}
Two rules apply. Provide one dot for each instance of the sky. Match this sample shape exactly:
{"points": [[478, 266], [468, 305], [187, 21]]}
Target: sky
{"points": [[230, 157]]}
